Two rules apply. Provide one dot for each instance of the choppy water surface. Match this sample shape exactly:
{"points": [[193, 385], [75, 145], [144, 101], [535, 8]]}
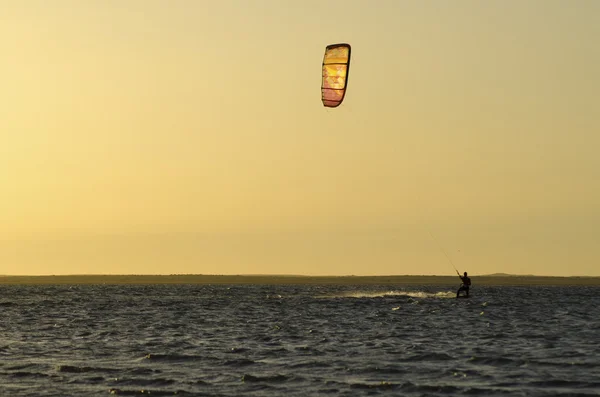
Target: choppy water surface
{"points": [[298, 340]]}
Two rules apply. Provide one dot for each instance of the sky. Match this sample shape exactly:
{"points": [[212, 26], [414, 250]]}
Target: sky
{"points": [[189, 137]]}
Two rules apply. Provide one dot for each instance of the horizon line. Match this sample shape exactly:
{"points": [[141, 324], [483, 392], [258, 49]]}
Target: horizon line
{"points": [[278, 275]]}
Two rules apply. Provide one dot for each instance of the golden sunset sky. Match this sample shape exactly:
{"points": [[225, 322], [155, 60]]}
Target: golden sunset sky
{"points": [[172, 136]]}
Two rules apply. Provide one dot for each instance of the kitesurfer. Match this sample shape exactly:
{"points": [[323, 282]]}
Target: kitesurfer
{"points": [[466, 283]]}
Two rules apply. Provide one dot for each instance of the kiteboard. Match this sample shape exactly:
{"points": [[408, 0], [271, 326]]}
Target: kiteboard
{"points": [[462, 296]]}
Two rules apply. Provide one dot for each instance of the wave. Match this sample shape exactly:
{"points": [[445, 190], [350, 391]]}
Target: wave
{"points": [[175, 357], [386, 294], [77, 370], [267, 378], [380, 385], [427, 357], [26, 374], [239, 363], [125, 392]]}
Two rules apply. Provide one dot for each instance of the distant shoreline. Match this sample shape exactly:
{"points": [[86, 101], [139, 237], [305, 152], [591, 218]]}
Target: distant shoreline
{"points": [[490, 280]]}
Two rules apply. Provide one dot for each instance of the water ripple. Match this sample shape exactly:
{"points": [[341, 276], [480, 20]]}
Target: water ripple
{"points": [[298, 340]]}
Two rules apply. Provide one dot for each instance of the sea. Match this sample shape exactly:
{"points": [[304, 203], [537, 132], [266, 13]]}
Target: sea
{"points": [[298, 340]]}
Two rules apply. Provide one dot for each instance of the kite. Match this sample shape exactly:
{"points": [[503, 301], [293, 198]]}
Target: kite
{"points": [[336, 66]]}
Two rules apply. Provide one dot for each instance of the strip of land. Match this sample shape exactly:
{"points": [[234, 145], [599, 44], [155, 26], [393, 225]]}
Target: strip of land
{"points": [[504, 280]]}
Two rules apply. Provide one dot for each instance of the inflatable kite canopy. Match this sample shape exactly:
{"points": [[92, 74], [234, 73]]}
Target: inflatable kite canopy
{"points": [[336, 66]]}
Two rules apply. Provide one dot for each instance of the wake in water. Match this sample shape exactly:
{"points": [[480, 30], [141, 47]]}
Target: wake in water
{"points": [[384, 294]]}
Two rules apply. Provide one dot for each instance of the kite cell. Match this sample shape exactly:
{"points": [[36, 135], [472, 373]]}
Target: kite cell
{"points": [[336, 66]]}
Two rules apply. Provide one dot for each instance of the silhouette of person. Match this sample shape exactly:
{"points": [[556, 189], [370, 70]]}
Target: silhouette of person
{"points": [[466, 283]]}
